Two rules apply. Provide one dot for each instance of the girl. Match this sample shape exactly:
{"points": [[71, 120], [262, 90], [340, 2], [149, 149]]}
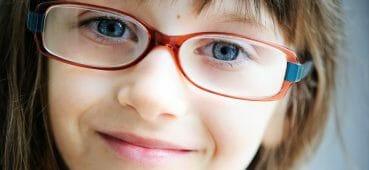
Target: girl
{"points": [[214, 85]]}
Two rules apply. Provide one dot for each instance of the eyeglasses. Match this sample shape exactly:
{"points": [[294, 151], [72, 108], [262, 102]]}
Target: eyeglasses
{"points": [[221, 63]]}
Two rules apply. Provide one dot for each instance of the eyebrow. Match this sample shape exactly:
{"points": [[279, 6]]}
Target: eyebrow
{"points": [[245, 19], [246, 11]]}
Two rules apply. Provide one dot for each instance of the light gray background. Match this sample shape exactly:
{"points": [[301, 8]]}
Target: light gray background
{"points": [[352, 99]]}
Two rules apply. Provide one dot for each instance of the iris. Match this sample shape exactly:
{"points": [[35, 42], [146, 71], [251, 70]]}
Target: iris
{"points": [[111, 28], [225, 51]]}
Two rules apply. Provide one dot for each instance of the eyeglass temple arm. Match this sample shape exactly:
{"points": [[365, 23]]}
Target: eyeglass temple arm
{"points": [[295, 72], [35, 22]]}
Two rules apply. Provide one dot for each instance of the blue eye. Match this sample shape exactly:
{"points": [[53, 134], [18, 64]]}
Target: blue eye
{"points": [[225, 51], [111, 28]]}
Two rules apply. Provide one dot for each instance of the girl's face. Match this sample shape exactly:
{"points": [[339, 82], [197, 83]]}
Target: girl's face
{"points": [[149, 116]]}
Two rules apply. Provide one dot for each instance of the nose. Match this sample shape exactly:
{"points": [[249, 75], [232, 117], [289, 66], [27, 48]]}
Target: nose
{"points": [[157, 89]]}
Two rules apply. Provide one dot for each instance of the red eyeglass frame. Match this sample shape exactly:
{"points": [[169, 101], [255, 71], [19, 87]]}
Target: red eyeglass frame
{"points": [[156, 38]]}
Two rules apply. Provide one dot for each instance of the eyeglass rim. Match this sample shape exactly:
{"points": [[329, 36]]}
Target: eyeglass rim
{"points": [[42, 8]]}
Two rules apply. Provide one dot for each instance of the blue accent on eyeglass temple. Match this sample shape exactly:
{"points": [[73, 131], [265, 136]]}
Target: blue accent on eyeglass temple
{"points": [[35, 22], [295, 72]]}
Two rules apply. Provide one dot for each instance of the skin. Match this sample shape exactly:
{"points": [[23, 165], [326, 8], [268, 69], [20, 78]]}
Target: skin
{"points": [[153, 100]]}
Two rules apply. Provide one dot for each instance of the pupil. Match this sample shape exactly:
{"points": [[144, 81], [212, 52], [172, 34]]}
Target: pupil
{"points": [[225, 51], [111, 28]]}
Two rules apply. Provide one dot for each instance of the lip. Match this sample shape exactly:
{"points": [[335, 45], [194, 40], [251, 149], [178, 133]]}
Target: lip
{"points": [[143, 150]]}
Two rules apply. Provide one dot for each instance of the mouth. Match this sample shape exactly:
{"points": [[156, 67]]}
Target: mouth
{"points": [[143, 150]]}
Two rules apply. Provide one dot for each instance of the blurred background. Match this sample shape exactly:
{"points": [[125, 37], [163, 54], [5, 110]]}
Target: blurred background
{"points": [[351, 115]]}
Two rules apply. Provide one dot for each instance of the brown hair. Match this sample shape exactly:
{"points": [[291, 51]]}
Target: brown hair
{"points": [[312, 27]]}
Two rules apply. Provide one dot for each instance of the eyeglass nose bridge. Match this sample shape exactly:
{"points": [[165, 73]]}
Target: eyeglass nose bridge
{"points": [[161, 39]]}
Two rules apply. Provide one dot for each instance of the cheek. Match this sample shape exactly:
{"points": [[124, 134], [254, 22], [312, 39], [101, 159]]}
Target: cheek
{"points": [[72, 93], [236, 127]]}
